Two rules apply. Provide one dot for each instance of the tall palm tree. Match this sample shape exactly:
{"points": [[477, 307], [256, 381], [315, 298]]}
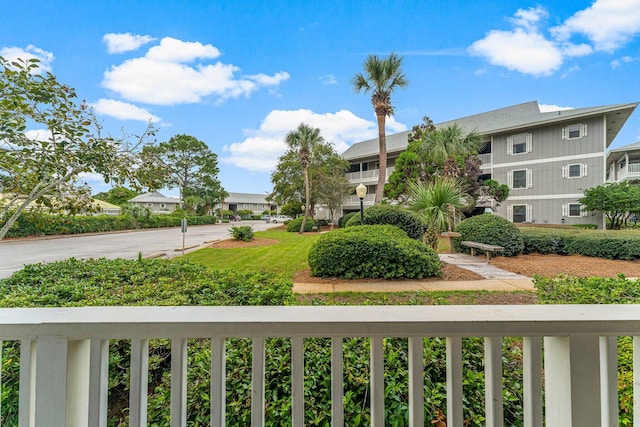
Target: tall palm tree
{"points": [[302, 140], [380, 78], [450, 141]]}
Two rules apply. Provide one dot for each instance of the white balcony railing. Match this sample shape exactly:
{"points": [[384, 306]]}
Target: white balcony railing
{"points": [[354, 200], [367, 176], [485, 159], [64, 358]]}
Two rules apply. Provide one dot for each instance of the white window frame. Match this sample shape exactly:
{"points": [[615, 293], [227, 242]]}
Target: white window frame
{"points": [[566, 131], [566, 170], [163, 205], [149, 205], [528, 138], [528, 213], [566, 210], [529, 179]]}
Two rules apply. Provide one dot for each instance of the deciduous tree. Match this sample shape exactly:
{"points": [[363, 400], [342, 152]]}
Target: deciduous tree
{"points": [[48, 140], [615, 200]]}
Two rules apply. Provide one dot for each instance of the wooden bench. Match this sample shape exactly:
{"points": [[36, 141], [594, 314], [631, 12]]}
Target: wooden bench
{"points": [[488, 249]]}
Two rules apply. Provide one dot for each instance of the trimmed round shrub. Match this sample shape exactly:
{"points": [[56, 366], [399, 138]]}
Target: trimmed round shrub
{"points": [[372, 251], [294, 225], [343, 220], [405, 220], [492, 230]]}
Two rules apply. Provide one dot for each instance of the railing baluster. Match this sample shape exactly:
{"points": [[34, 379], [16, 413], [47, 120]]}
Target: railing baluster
{"points": [[609, 381], [532, 381], [178, 382], [377, 381], [257, 382], [98, 383], [455, 415], [636, 381], [493, 381], [337, 379], [139, 379], [218, 382], [297, 381], [416, 382], [26, 400], [51, 382]]}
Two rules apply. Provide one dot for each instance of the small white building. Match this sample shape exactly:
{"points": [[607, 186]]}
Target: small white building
{"points": [[157, 202], [257, 203]]}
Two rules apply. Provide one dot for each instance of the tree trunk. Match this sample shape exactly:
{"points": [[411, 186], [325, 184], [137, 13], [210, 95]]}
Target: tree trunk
{"points": [[307, 198], [382, 161]]}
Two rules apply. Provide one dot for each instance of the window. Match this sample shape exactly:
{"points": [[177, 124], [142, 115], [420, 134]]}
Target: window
{"points": [[520, 178], [519, 144], [576, 170], [149, 205], [162, 205], [574, 131], [519, 213], [573, 210]]}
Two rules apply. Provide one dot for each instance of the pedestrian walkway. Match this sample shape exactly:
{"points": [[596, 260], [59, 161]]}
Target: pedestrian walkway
{"points": [[495, 279]]}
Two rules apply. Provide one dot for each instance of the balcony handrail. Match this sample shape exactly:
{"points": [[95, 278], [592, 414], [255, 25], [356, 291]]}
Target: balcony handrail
{"points": [[580, 367]]}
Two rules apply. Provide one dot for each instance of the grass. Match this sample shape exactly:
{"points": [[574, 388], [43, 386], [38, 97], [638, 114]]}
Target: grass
{"points": [[287, 257]]}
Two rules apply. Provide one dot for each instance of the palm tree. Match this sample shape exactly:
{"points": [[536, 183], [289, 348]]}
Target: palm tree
{"points": [[445, 143], [303, 140], [438, 202], [381, 77]]}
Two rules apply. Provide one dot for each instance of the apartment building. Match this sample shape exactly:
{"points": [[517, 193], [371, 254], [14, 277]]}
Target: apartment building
{"points": [[624, 163], [547, 158]]}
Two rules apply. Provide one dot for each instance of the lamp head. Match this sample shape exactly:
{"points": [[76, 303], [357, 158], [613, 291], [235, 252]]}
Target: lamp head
{"points": [[361, 191]]}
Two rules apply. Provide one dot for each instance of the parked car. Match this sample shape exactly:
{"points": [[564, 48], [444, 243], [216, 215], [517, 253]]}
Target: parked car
{"points": [[280, 218], [265, 218]]}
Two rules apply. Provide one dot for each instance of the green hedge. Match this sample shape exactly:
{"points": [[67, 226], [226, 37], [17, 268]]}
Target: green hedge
{"points": [[610, 244], [492, 230], [406, 220], [342, 222], [372, 251], [37, 224], [294, 225]]}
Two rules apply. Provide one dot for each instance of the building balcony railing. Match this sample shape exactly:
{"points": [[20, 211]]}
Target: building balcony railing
{"points": [[485, 159], [370, 176], [569, 356], [354, 200], [630, 171]]}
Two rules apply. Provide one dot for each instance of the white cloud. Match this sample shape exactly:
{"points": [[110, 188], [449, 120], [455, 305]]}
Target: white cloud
{"points": [[123, 111], [519, 50], [119, 43], [262, 147], [609, 24], [547, 108], [164, 76], [624, 60], [30, 52], [39, 134], [328, 79]]}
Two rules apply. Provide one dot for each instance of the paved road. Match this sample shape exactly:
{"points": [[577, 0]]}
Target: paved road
{"points": [[15, 253]]}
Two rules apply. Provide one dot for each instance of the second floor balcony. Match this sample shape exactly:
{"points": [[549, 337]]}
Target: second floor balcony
{"points": [[568, 363], [628, 171], [368, 176]]}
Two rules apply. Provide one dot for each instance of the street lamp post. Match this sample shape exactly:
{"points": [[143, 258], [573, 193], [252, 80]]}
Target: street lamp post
{"points": [[361, 191]]}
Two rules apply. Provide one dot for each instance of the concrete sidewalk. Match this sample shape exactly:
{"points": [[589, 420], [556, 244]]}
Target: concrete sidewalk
{"points": [[495, 279]]}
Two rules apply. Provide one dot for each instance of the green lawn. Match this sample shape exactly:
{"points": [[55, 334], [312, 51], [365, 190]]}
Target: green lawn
{"points": [[286, 257]]}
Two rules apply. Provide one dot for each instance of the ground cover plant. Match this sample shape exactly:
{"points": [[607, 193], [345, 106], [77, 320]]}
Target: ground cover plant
{"points": [[492, 230]]}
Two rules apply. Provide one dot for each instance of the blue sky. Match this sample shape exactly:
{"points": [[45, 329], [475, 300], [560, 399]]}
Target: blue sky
{"points": [[239, 75]]}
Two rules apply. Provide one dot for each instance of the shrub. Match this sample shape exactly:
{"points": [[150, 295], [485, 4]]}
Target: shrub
{"points": [[597, 243], [294, 225], [412, 224], [372, 251], [492, 230], [343, 220], [244, 233]]}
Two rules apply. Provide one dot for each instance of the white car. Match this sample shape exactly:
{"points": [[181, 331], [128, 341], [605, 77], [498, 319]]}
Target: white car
{"points": [[280, 218]]}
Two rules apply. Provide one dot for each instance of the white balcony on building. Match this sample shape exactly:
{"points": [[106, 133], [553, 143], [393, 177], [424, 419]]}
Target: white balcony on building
{"points": [[367, 177], [569, 363]]}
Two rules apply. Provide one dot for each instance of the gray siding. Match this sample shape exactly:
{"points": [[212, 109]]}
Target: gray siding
{"points": [[549, 211]]}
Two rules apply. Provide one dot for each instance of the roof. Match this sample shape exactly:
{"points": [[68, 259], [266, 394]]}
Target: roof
{"points": [[105, 205], [618, 153], [246, 198], [504, 120], [154, 197]]}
